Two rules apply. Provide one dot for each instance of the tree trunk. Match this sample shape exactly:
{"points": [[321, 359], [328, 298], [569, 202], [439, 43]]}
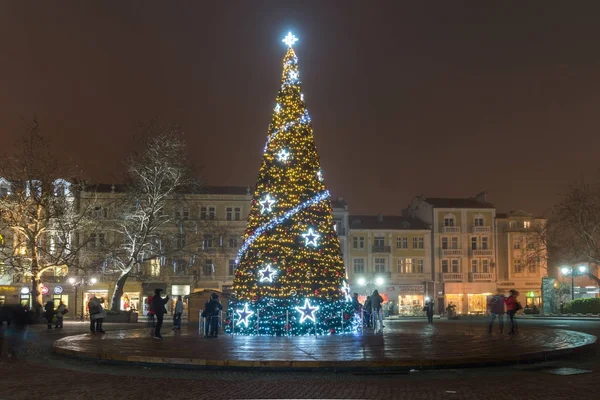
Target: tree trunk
{"points": [[36, 295], [115, 303], [594, 278]]}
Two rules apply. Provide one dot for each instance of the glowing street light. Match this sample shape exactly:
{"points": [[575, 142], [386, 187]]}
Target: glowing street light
{"points": [[379, 281], [362, 281], [571, 271]]}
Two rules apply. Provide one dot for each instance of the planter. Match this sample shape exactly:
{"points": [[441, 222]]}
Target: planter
{"points": [[122, 318]]}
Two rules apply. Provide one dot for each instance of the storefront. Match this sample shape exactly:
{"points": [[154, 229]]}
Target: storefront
{"points": [[147, 292], [9, 294], [468, 298], [58, 296], [130, 301], [530, 293], [411, 299], [184, 292], [101, 294]]}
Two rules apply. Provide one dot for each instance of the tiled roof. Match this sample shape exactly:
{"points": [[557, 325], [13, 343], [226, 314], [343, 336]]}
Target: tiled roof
{"points": [[394, 222], [448, 202]]}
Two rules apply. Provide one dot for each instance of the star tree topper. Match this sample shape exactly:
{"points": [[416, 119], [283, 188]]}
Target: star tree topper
{"points": [[244, 315], [307, 311], [266, 204], [311, 237], [290, 39], [267, 274]]}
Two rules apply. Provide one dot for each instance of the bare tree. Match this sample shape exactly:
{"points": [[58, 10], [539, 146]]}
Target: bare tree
{"points": [[156, 174], [41, 220]]}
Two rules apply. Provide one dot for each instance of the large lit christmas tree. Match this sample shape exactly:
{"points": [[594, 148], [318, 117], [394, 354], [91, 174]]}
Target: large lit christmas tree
{"points": [[290, 277]]}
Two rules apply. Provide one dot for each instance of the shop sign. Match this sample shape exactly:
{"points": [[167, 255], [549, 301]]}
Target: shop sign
{"points": [[512, 284], [44, 290], [58, 290], [506, 284], [533, 284], [180, 290], [24, 290], [411, 288], [7, 289]]}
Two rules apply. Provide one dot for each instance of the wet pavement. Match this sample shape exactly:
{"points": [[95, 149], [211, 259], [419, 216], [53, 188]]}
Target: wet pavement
{"points": [[402, 345], [35, 369]]}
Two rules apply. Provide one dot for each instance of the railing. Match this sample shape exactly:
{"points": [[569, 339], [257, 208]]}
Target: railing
{"points": [[452, 276], [482, 252], [482, 229], [450, 229], [482, 276], [451, 252], [381, 249]]}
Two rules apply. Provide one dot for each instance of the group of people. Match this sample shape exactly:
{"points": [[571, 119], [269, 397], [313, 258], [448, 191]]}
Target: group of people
{"points": [[371, 311], [157, 310], [496, 307], [55, 316]]}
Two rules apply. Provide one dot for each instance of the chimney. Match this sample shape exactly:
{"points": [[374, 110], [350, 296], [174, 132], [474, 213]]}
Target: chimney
{"points": [[482, 196], [379, 217]]}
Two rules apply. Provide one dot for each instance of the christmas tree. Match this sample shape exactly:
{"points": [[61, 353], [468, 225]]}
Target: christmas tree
{"points": [[290, 277]]}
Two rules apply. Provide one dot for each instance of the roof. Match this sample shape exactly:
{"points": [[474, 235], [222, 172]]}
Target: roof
{"points": [[339, 203], [449, 202], [387, 222], [120, 188]]}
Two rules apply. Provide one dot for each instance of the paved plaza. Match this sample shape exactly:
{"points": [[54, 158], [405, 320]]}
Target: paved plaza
{"points": [[35, 365]]}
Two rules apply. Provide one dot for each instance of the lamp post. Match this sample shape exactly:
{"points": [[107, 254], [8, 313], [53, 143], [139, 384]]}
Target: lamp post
{"points": [[571, 271], [77, 282]]}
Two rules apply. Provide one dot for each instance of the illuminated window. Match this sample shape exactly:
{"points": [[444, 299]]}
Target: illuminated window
{"points": [[231, 268]]}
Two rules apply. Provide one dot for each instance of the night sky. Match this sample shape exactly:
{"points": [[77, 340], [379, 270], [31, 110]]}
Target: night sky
{"points": [[443, 98]]}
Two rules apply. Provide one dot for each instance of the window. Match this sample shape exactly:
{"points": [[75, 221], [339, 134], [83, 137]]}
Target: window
{"points": [[485, 265], [359, 265], [229, 213], [478, 221], [208, 268], [484, 242], [102, 240], [211, 213], [207, 213], [61, 187], [182, 213], [358, 242], [379, 242], [531, 268], [232, 242], [155, 267], [531, 245], [181, 241], [455, 266], [418, 243], [518, 267], [474, 243], [33, 188], [203, 213], [516, 243], [380, 265], [405, 266], [208, 242], [445, 267], [4, 187], [92, 241], [449, 220], [444, 243], [454, 243], [526, 224], [237, 213], [231, 267], [402, 242], [419, 266], [474, 266]]}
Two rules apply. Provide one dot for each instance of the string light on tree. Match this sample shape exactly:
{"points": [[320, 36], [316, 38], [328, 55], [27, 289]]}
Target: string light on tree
{"points": [[244, 314], [311, 238], [267, 274], [307, 311], [283, 155], [267, 204], [320, 176], [277, 108]]}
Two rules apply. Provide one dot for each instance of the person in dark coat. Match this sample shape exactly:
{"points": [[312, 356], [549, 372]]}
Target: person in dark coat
{"points": [[158, 306], [212, 310], [429, 310], [376, 310], [356, 304], [495, 307], [49, 309], [367, 312]]}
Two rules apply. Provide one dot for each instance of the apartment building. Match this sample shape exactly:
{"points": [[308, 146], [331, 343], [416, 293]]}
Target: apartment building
{"points": [[393, 255]]}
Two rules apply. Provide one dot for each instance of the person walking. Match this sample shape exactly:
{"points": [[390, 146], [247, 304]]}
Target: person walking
{"points": [[177, 314], [376, 309], [495, 307], [212, 309], [429, 310], [49, 309], [512, 306], [60, 313], [158, 306]]}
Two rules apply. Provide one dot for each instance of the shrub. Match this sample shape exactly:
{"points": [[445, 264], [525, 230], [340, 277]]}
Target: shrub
{"points": [[583, 306]]}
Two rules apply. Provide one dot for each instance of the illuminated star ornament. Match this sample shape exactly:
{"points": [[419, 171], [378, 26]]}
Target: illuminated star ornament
{"points": [[283, 155], [244, 314], [277, 108], [266, 204], [290, 39], [267, 274], [307, 311], [311, 237]]}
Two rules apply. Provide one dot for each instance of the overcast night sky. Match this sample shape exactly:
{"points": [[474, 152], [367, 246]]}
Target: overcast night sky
{"points": [[443, 98]]}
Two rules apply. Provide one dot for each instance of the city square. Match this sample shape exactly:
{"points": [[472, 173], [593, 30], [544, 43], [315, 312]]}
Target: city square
{"points": [[384, 239]]}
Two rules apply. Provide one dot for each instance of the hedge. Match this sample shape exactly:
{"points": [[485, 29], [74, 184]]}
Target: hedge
{"points": [[583, 306]]}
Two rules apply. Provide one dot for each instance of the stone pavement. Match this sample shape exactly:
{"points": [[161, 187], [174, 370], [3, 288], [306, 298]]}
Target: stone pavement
{"points": [[401, 346]]}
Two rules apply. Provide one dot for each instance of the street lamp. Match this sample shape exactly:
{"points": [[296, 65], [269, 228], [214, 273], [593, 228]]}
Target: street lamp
{"points": [[571, 271], [77, 282]]}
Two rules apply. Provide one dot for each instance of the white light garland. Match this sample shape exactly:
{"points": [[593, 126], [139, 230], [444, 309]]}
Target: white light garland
{"points": [[277, 108], [307, 311], [278, 220], [320, 176]]}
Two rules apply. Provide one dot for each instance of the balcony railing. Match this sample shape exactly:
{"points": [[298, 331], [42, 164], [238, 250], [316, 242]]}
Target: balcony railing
{"points": [[451, 252], [482, 252], [451, 277], [482, 229], [450, 229], [481, 276], [381, 249]]}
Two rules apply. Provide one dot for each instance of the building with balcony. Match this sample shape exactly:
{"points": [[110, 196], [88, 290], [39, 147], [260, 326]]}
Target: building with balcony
{"points": [[393, 255], [463, 253]]}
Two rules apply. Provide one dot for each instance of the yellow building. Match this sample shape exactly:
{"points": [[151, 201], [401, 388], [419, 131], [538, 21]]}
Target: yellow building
{"points": [[393, 255]]}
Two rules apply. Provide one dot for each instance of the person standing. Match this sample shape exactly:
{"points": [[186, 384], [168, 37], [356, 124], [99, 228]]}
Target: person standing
{"points": [[212, 309], [429, 310], [367, 320], [496, 309], [96, 315], [49, 309], [158, 306], [177, 314], [60, 313], [376, 307], [512, 306], [150, 312]]}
